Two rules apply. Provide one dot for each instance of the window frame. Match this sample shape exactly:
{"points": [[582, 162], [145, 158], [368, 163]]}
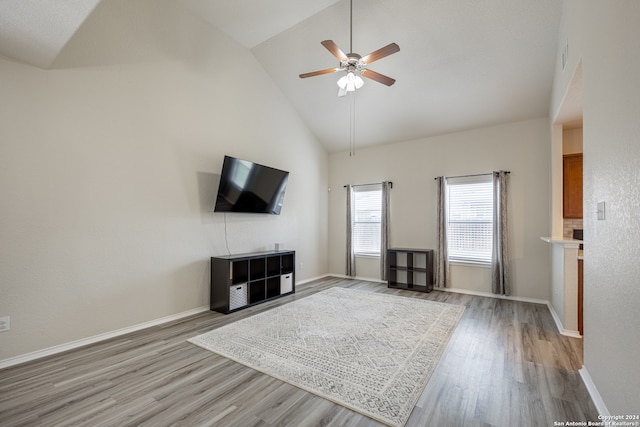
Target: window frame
{"points": [[370, 188], [484, 208]]}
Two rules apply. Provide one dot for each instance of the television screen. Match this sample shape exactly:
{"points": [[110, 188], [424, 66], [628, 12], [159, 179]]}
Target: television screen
{"points": [[250, 187]]}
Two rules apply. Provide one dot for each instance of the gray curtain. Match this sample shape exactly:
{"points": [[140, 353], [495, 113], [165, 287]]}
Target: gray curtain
{"points": [[351, 258], [443, 279], [384, 228], [500, 255]]}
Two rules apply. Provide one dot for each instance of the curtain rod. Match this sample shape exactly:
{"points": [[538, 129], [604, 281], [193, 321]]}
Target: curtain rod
{"points": [[373, 183], [468, 176]]}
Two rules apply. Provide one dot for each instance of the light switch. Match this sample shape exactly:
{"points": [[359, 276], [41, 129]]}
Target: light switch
{"points": [[600, 210]]}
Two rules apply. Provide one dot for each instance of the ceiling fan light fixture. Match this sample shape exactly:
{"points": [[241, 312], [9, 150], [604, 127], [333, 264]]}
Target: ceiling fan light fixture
{"points": [[350, 82]]}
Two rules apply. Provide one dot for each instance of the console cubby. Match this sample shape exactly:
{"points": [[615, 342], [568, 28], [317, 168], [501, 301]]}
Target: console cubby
{"points": [[257, 269], [257, 291], [273, 266], [240, 271], [288, 263], [240, 281], [273, 287]]}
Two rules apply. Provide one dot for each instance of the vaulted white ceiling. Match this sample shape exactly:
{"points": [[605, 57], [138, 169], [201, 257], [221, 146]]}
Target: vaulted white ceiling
{"points": [[462, 63], [35, 31]]}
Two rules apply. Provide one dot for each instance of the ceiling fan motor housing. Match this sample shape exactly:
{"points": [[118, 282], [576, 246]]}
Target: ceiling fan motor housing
{"points": [[353, 63]]}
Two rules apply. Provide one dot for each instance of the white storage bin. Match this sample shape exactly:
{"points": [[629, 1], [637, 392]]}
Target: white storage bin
{"points": [[286, 283], [238, 296]]}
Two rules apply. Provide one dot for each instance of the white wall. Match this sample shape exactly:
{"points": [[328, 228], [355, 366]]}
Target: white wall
{"points": [[109, 166], [611, 67], [572, 141], [522, 148], [605, 38]]}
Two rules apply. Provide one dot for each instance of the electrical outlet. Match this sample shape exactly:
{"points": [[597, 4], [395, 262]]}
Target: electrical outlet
{"points": [[5, 323]]}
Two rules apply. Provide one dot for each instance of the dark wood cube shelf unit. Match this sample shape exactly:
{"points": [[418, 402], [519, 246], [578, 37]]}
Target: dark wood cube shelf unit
{"points": [[240, 281], [410, 269]]}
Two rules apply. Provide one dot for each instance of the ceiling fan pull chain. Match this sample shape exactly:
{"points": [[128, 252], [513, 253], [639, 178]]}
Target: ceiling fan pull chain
{"points": [[352, 125]]}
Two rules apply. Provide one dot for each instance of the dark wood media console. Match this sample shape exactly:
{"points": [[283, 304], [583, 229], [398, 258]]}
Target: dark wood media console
{"points": [[240, 281]]}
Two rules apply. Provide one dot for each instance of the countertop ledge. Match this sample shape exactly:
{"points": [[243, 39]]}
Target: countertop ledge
{"points": [[567, 243]]}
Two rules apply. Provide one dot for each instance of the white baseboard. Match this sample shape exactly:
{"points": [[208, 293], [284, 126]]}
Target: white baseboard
{"points": [[456, 290], [91, 340], [560, 326], [490, 295], [366, 279], [593, 392], [12, 361], [302, 282]]}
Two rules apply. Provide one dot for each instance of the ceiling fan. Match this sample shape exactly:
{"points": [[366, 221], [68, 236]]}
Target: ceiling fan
{"points": [[355, 64]]}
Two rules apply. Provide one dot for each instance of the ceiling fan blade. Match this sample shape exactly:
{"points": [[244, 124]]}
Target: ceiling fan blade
{"points": [[335, 50], [380, 78], [389, 49], [319, 73]]}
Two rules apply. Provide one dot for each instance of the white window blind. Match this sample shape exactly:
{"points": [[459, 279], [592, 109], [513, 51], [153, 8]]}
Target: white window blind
{"points": [[470, 218], [367, 206]]}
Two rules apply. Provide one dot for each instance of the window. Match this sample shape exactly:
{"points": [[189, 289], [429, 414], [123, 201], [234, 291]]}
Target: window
{"points": [[470, 219], [367, 214]]}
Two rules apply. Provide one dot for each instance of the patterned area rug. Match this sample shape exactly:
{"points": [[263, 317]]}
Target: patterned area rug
{"points": [[371, 352]]}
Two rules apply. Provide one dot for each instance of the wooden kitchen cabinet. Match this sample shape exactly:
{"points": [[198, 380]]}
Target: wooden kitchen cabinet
{"points": [[572, 186]]}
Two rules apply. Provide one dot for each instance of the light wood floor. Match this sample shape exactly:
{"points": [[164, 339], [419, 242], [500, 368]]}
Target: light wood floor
{"points": [[506, 365]]}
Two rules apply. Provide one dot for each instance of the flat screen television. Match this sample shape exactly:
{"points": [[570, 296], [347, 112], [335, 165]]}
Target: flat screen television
{"points": [[250, 187]]}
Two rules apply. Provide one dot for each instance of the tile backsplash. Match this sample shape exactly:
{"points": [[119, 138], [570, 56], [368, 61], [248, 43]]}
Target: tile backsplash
{"points": [[569, 225]]}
